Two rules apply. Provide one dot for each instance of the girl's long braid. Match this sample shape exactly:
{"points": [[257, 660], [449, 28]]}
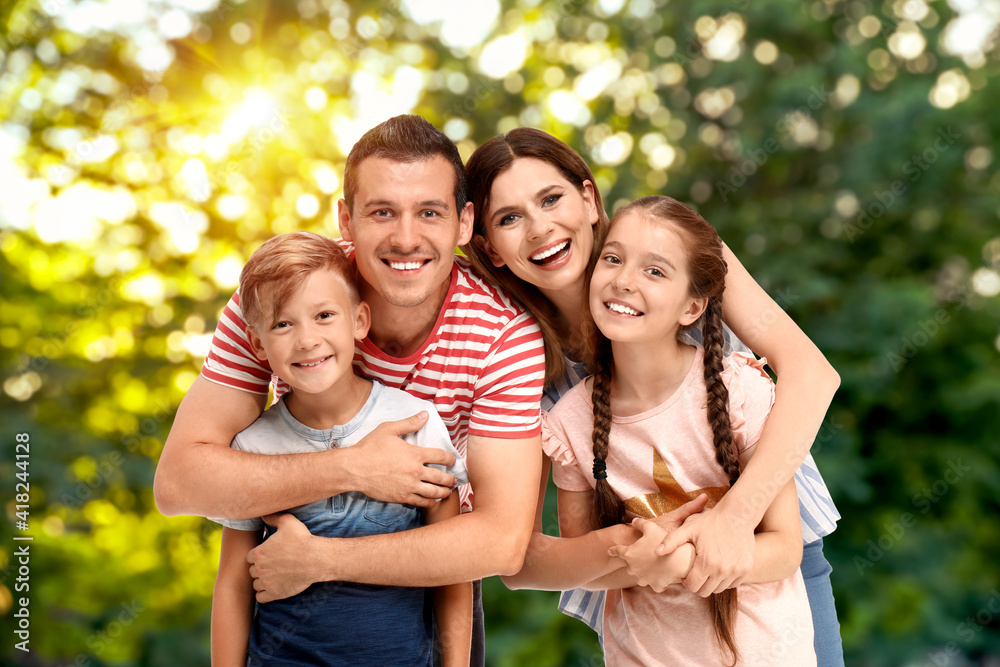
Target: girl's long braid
{"points": [[722, 605], [609, 509]]}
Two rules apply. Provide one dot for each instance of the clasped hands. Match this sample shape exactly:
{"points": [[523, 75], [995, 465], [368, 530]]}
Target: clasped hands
{"points": [[696, 548]]}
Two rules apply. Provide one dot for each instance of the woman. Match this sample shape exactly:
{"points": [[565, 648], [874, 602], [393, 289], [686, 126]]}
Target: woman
{"points": [[537, 214]]}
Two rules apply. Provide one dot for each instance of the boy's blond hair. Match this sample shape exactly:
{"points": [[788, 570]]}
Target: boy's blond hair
{"points": [[279, 266]]}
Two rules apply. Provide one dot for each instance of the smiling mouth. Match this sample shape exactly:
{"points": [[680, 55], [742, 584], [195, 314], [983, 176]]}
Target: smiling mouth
{"points": [[622, 309], [551, 255], [312, 364], [405, 266]]}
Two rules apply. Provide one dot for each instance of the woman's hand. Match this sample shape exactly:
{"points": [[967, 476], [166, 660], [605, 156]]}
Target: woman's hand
{"points": [[724, 550]]}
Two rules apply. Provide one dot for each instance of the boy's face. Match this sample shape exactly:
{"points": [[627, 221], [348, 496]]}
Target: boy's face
{"points": [[405, 227], [311, 345]]}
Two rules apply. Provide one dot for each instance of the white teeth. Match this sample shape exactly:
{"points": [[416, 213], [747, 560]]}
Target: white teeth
{"points": [[316, 363], [619, 308], [405, 266], [551, 251]]}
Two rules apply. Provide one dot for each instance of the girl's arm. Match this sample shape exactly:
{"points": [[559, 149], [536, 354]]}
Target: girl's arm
{"points": [[578, 556], [233, 599], [452, 604], [724, 537]]}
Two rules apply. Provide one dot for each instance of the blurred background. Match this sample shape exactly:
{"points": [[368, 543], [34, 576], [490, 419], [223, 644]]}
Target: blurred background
{"points": [[846, 151]]}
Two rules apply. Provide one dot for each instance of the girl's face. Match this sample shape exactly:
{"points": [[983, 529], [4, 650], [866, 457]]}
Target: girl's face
{"points": [[540, 225], [640, 288]]}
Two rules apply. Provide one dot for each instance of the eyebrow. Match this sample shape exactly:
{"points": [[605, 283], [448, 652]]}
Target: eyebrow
{"points": [[655, 257], [538, 195], [428, 203]]}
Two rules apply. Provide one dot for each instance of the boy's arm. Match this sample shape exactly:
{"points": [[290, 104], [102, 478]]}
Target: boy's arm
{"points": [[724, 538], [198, 473], [232, 601], [452, 603], [489, 540]]}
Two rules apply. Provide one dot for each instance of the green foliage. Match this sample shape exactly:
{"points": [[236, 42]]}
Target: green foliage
{"points": [[843, 152]]}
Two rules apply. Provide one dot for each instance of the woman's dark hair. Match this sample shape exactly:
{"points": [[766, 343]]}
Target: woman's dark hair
{"points": [[707, 273], [484, 166]]}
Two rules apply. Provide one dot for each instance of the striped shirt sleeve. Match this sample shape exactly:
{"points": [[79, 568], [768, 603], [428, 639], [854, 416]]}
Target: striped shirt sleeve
{"points": [[230, 361], [509, 390]]}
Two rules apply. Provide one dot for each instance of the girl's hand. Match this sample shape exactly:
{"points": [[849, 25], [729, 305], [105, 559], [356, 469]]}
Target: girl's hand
{"points": [[649, 569], [723, 551]]}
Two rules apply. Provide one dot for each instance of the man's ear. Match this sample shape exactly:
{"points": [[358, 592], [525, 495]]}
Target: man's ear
{"points": [[255, 344], [693, 311], [362, 320], [483, 244], [344, 218], [466, 220]]}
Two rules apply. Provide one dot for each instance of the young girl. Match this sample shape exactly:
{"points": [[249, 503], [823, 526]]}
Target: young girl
{"points": [[537, 216], [662, 422]]}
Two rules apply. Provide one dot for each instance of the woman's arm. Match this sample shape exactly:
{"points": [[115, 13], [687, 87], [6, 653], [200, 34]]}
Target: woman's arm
{"points": [[232, 601], [724, 537], [452, 604]]}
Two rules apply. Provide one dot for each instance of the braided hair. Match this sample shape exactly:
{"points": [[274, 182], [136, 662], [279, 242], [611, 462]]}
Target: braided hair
{"points": [[707, 274]]}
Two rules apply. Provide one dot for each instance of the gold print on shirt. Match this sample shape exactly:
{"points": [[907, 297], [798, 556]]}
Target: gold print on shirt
{"points": [[671, 495]]}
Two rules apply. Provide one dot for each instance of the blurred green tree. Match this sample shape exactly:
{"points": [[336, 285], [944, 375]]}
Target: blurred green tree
{"points": [[845, 150]]}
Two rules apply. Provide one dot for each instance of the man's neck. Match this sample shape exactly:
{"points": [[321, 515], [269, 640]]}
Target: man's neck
{"points": [[400, 331]]}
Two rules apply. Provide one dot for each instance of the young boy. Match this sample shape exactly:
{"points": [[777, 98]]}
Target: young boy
{"points": [[299, 297]]}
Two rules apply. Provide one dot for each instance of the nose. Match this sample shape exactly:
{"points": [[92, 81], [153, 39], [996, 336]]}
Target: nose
{"points": [[405, 235], [539, 227], [308, 337], [623, 280]]}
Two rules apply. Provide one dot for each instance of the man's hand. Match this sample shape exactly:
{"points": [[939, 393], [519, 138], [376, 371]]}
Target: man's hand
{"points": [[392, 470], [723, 552], [280, 566]]}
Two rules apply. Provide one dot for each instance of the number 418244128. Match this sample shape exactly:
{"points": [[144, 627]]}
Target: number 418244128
{"points": [[23, 456]]}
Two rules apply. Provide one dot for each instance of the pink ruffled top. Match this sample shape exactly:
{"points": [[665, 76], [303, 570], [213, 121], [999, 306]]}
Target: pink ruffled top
{"points": [[659, 459]]}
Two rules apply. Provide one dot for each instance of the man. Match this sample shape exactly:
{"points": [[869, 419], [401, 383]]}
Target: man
{"points": [[439, 332]]}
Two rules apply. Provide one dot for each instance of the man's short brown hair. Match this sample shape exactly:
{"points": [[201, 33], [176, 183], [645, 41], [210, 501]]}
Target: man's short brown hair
{"points": [[405, 138]]}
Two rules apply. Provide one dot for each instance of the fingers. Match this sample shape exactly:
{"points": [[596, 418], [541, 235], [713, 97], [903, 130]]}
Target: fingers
{"points": [[674, 540], [696, 578], [274, 520], [408, 425], [433, 476], [617, 551], [692, 507], [707, 588]]}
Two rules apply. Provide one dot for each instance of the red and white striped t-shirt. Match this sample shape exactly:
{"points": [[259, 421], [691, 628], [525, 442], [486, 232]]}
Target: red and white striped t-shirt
{"points": [[483, 365]]}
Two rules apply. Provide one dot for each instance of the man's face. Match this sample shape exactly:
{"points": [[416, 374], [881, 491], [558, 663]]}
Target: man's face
{"points": [[405, 228]]}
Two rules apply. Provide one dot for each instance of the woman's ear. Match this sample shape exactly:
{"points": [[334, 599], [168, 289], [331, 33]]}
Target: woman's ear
{"points": [[483, 244], [590, 201], [694, 310]]}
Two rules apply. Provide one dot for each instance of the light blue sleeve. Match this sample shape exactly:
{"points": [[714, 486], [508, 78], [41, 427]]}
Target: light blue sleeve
{"points": [[435, 434]]}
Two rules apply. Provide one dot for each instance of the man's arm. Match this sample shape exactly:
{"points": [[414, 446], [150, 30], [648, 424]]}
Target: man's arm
{"points": [[490, 540], [198, 473]]}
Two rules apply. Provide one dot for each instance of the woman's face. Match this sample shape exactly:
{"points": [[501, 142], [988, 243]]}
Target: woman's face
{"points": [[540, 225]]}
